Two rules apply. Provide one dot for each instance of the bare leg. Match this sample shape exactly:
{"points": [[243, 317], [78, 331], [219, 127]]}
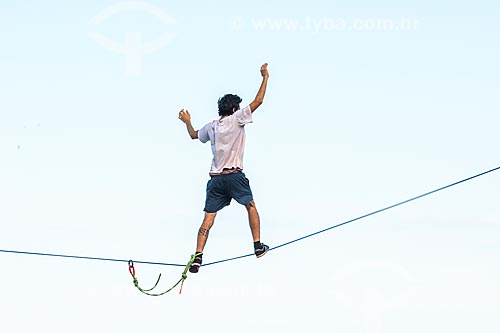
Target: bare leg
{"points": [[208, 222], [254, 220]]}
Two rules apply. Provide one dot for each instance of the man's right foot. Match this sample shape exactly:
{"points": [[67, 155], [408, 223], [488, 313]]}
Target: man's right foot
{"points": [[262, 250], [195, 266]]}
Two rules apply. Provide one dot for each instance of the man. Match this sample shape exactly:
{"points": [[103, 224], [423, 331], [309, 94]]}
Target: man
{"points": [[227, 180]]}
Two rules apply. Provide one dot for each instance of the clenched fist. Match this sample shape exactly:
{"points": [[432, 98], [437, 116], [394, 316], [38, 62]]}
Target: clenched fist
{"points": [[184, 116], [263, 70]]}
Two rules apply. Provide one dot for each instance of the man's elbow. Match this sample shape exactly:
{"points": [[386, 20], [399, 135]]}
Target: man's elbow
{"points": [[256, 103], [194, 135]]}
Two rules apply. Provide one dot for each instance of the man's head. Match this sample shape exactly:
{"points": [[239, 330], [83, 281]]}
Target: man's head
{"points": [[228, 104]]}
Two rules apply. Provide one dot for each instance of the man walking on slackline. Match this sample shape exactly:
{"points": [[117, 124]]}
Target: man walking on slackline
{"points": [[227, 180]]}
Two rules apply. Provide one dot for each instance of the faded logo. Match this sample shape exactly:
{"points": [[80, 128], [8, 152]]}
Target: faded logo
{"points": [[133, 47]]}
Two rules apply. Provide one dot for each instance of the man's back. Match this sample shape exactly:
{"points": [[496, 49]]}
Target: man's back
{"points": [[227, 138]]}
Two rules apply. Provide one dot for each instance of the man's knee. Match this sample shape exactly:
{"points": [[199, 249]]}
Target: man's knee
{"points": [[208, 220], [209, 216]]}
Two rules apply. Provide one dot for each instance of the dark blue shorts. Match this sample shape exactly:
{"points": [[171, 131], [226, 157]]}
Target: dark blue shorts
{"points": [[222, 188]]}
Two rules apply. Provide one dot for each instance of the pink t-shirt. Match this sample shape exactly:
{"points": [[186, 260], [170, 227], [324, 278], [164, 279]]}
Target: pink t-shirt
{"points": [[227, 137]]}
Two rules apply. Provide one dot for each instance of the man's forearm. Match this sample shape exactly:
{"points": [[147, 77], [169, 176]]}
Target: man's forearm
{"points": [[262, 90], [192, 132], [259, 98]]}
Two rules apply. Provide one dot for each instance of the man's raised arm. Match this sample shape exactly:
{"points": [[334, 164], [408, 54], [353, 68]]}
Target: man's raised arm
{"points": [[185, 117], [262, 90]]}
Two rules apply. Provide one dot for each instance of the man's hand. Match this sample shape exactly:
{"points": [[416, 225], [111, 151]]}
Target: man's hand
{"points": [[184, 116], [263, 70]]}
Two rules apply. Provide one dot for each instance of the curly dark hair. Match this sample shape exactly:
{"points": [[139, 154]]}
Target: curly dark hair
{"points": [[228, 104]]}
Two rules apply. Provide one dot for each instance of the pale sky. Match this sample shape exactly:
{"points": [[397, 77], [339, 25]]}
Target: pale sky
{"points": [[367, 105]]}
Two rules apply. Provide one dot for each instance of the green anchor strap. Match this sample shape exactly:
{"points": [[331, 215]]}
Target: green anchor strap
{"points": [[131, 270]]}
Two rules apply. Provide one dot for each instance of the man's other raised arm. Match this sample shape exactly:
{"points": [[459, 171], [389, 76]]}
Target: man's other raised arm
{"points": [[262, 90]]}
